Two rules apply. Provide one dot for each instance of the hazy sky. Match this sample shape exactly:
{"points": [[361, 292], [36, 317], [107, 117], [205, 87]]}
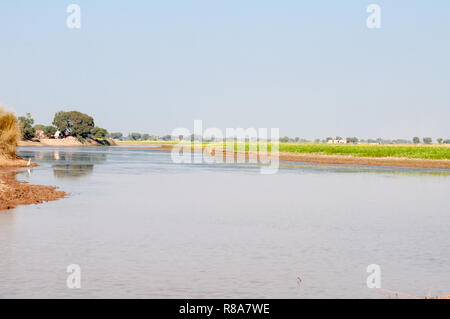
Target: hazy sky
{"points": [[311, 68]]}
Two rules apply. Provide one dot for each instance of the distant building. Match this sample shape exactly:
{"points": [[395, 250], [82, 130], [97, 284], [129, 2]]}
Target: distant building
{"points": [[337, 142]]}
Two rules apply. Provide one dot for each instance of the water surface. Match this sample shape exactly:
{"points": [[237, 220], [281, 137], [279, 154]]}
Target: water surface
{"points": [[141, 226]]}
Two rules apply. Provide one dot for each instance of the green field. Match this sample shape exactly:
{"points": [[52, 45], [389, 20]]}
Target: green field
{"points": [[360, 150], [364, 150]]}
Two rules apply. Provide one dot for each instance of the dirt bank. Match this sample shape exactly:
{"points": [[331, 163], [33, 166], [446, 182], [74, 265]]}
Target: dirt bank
{"points": [[14, 193]]}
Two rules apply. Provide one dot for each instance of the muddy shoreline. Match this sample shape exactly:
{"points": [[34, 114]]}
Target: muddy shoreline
{"points": [[14, 193]]}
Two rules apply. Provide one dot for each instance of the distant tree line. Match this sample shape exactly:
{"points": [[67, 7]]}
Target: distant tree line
{"points": [[135, 136], [80, 125]]}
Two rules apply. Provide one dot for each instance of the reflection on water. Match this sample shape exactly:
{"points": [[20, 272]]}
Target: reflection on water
{"points": [[72, 170], [354, 168], [141, 226], [70, 156], [67, 163]]}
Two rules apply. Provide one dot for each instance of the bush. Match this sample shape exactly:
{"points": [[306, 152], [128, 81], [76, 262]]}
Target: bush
{"points": [[9, 134], [99, 132], [49, 131]]}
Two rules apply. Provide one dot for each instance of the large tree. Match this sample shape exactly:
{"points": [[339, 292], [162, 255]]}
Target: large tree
{"points": [[26, 126], [74, 123]]}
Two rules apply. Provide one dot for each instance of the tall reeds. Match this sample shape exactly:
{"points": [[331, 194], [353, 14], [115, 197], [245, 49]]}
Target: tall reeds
{"points": [[9, 134]]}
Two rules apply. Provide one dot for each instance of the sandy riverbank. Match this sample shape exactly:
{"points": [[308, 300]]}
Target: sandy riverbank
{"points": [[14, 193], [68, 141]]}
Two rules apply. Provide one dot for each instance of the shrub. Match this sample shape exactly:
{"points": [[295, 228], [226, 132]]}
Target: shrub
{"points": [[49, 131], [9, 134], [99, 132]]}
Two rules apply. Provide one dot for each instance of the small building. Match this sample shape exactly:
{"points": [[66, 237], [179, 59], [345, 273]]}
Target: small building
{"points": [[337, 142]]}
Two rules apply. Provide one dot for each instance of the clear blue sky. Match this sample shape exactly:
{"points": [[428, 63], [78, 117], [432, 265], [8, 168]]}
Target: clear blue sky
{"points": [[311, 68]]}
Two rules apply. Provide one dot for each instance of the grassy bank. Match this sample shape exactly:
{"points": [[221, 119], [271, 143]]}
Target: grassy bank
{"points": [[364, 150], [361, 150]]}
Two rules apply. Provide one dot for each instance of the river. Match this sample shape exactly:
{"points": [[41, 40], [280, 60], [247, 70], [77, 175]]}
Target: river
{"points": [[141, 226]]}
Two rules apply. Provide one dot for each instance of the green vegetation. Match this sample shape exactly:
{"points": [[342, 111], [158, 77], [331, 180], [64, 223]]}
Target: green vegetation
{"points": [[9, 134], [74, 123], [49, 131], [116, 135], [358, 150], [364, 150], [134, 136], [80, 125], [99, 132], [26, 126]]}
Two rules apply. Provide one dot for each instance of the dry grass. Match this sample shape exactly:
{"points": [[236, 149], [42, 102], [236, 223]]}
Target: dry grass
{"points": [[9, 134]]}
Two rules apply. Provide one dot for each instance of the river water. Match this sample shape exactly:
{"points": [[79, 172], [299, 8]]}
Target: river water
{"points": [[140, 226]]}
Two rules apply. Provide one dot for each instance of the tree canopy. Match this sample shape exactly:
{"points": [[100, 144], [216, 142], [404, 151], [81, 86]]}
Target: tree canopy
{"points": [[74, 123]]}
